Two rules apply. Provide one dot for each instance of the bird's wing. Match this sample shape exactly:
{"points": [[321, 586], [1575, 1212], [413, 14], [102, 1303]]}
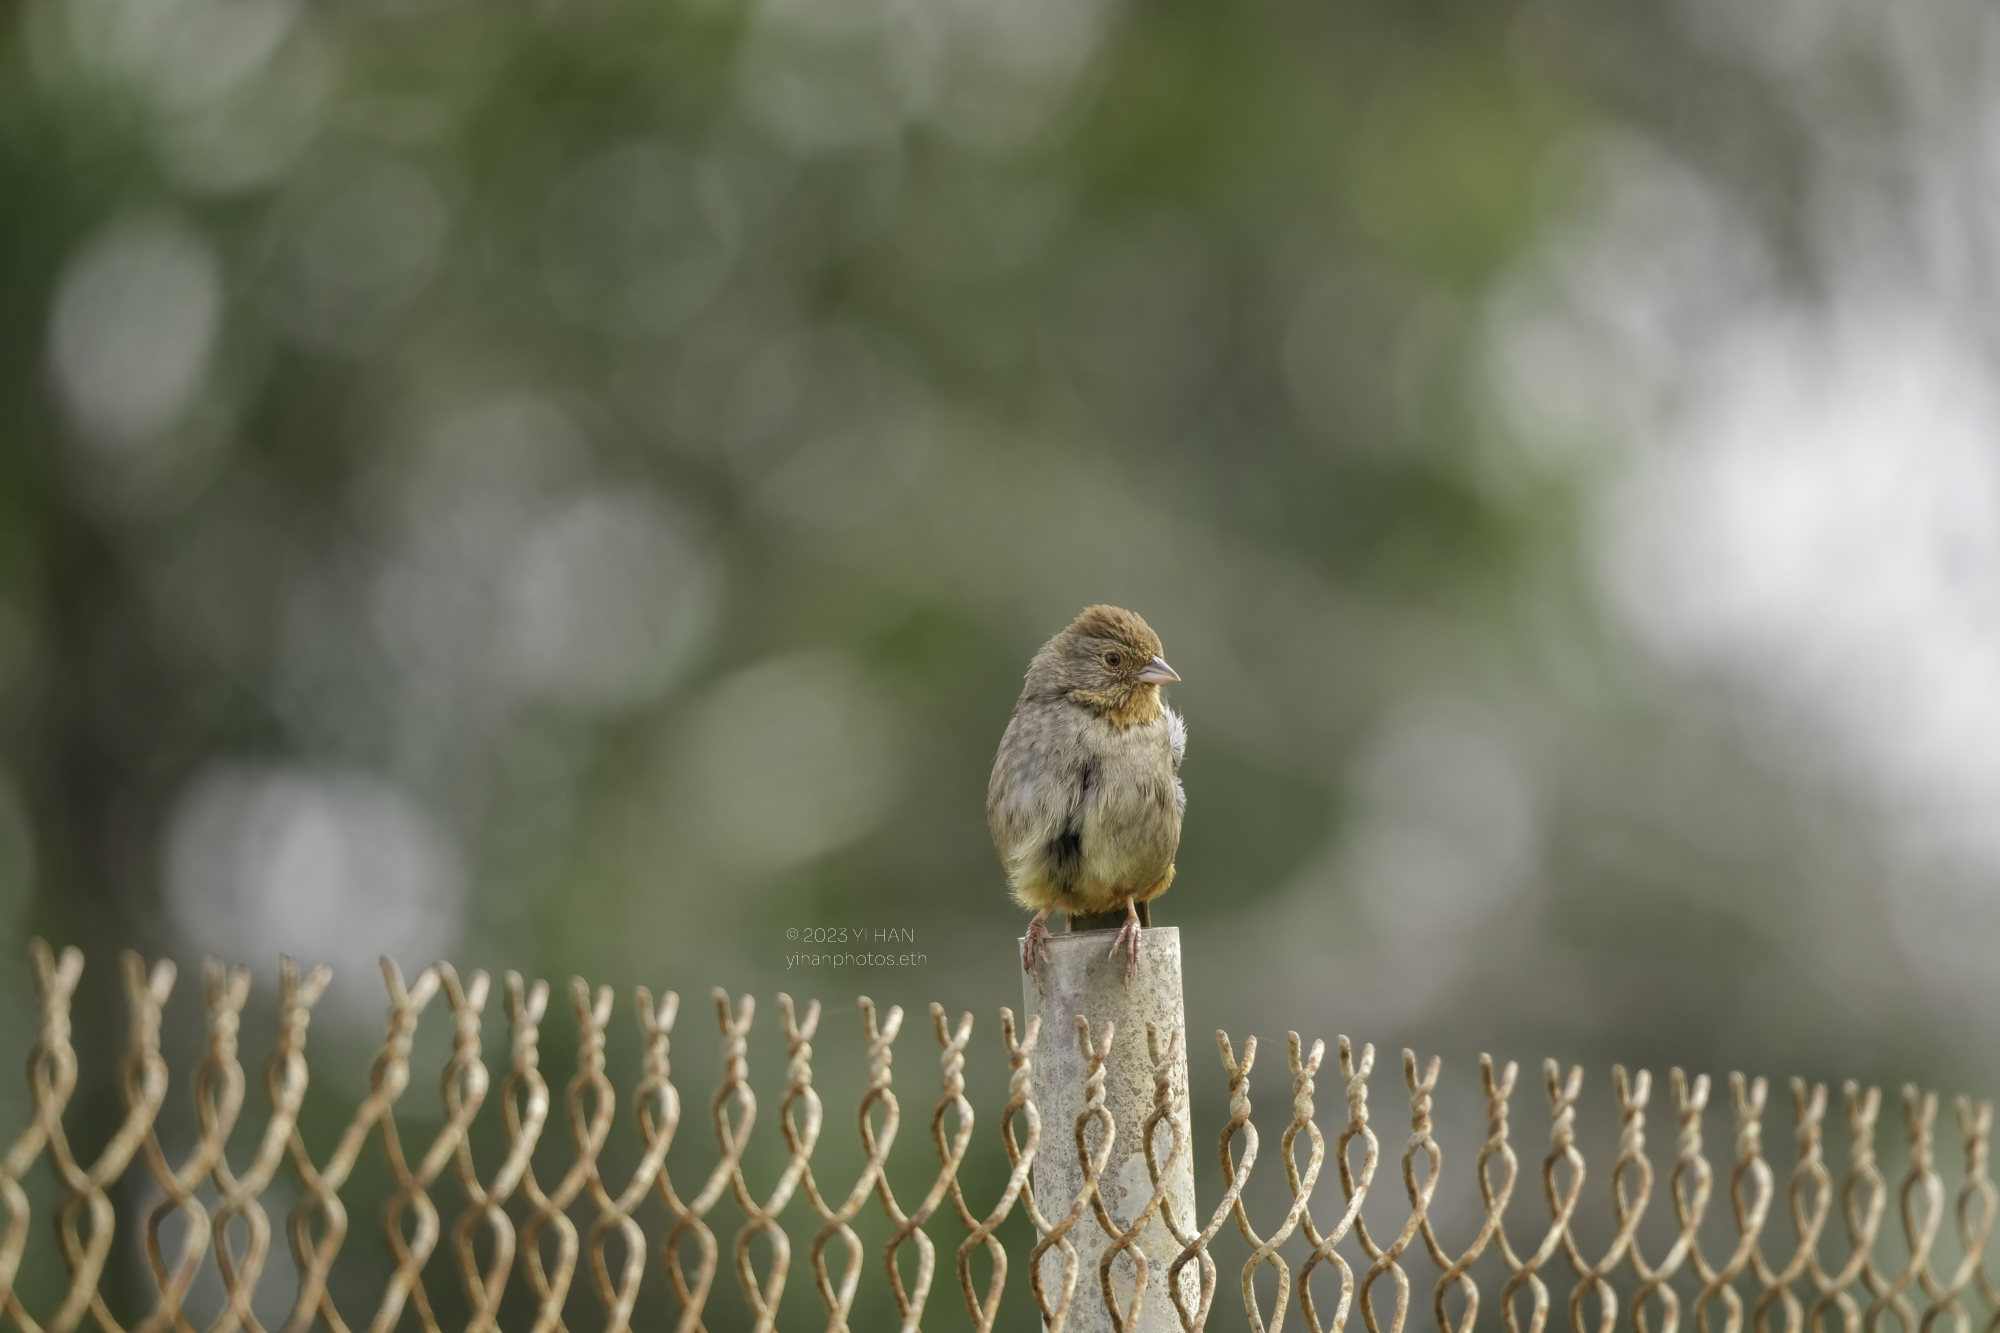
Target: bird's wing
{"points": [[1032, 792], [1177, 744]]}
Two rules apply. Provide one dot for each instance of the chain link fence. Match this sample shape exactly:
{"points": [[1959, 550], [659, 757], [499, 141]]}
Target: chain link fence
{"points": [[1798, 1247]]}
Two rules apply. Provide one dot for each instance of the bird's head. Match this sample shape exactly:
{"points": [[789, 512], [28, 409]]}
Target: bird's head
{"points": [[1109, 661]]}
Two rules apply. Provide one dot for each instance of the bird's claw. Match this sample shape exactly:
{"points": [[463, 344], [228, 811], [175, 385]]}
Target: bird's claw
{"points": [[1034, 948], [1128, 940]]}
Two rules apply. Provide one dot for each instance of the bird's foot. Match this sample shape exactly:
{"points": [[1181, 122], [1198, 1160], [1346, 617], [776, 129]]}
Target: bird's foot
{"points": [[1128, 940], [1035, 947]]}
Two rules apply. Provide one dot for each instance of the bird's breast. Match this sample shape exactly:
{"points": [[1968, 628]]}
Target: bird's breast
{"points": [[1132, 825], [1082, 809]]}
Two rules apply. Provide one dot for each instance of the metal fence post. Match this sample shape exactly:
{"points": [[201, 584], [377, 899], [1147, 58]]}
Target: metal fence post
{"points": [[1079, 979]]}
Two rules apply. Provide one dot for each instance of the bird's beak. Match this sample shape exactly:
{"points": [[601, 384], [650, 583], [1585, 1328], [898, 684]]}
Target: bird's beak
{"points": [[1157, 672]]}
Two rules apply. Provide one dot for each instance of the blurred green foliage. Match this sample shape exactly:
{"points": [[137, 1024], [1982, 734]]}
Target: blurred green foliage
{"points": [[571, 485]]}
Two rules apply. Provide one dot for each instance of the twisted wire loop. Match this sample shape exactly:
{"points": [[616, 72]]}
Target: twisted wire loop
{"points": [[524, 1112], [656, 1106], [1492, 1196], [690, 1215], [411, 1253], [285, 1080], [486, 1202], [1525, 1270], [1688, 1188], [1125, 1240], [1195, 1248], [839, 1299], [1810, 1195], [587, 1134], [1750, 1192], [614, 1212], [1354, 1186], [1156, 1170], [144, 1089], [1020, 1160], [1055, 1314], [1385, 1256], [732, 1136], [1631, 1189], [1973, 1216], [217, 1109], [656, 1103], [464, 1087], [218, 1101], [1862, 1199], [1264, 1250], [761, 1219], [51, 1080], [387, 1080], [1973, 1212], [591, 1105], [1921, 1198], [951, 1151]]}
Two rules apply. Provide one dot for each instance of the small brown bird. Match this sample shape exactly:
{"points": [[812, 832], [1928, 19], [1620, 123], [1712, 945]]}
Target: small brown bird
{"points": [[1085, 803]]}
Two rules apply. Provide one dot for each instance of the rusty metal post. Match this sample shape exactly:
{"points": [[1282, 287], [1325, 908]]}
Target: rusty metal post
{"points": [[1079, 979]]}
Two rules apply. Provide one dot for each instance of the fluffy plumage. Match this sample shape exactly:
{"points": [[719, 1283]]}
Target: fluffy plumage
{"points": [[1085, 801]]}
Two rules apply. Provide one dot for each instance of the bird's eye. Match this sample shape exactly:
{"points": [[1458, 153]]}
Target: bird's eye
{"points": [[1112, 659]]}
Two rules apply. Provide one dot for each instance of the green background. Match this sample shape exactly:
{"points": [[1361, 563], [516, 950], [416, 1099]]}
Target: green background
{"points": [[571, 486]]}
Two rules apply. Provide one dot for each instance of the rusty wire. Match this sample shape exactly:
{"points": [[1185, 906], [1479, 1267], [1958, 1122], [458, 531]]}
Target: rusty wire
{"points": [[1771, 1271]]}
